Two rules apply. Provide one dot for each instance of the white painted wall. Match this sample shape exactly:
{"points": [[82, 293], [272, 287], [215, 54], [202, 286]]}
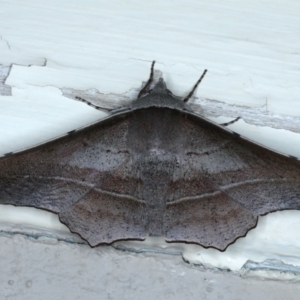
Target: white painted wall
{"points": [[251, 50]]}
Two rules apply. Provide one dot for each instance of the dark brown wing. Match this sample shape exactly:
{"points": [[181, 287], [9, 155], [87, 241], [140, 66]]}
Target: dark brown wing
{"points": [[225, 183], [86, 177]]}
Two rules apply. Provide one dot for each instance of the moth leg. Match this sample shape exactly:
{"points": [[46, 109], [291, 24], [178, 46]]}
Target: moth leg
{"points": [[186, 99], [231, 122], [144, 90], [93, 105]]}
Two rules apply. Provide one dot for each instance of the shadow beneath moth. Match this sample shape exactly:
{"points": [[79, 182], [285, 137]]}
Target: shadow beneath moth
{"points": [[153, 168]]}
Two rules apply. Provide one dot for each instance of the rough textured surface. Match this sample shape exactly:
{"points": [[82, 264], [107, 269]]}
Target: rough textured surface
{"points": [[47, 269], [156, 169], [5, 90]]}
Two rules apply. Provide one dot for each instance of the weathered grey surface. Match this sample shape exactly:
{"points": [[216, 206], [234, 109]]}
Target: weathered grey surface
{"points": [[5, 90], [48, 269]]}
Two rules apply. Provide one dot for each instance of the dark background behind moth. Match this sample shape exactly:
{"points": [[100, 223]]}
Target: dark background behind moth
{"points": [[153, 167]]}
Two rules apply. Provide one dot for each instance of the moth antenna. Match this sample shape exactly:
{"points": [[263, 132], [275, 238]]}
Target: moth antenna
{"points": [[231, 122], [186, 99], [144, 89], [92, 105]]}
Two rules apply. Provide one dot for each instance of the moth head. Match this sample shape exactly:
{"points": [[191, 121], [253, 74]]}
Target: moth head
{"points": [[160, 87], [160, 96]]}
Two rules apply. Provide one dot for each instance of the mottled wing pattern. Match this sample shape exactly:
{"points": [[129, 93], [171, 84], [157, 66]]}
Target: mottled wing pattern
{"points": [[225, 184], [87, 177], [154, 171]]}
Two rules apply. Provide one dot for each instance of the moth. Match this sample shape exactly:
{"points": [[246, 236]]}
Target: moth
{"points": [[153, 168]]}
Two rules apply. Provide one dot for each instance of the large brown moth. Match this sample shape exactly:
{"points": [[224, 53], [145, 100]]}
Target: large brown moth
{"points": [[153, 168]]}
